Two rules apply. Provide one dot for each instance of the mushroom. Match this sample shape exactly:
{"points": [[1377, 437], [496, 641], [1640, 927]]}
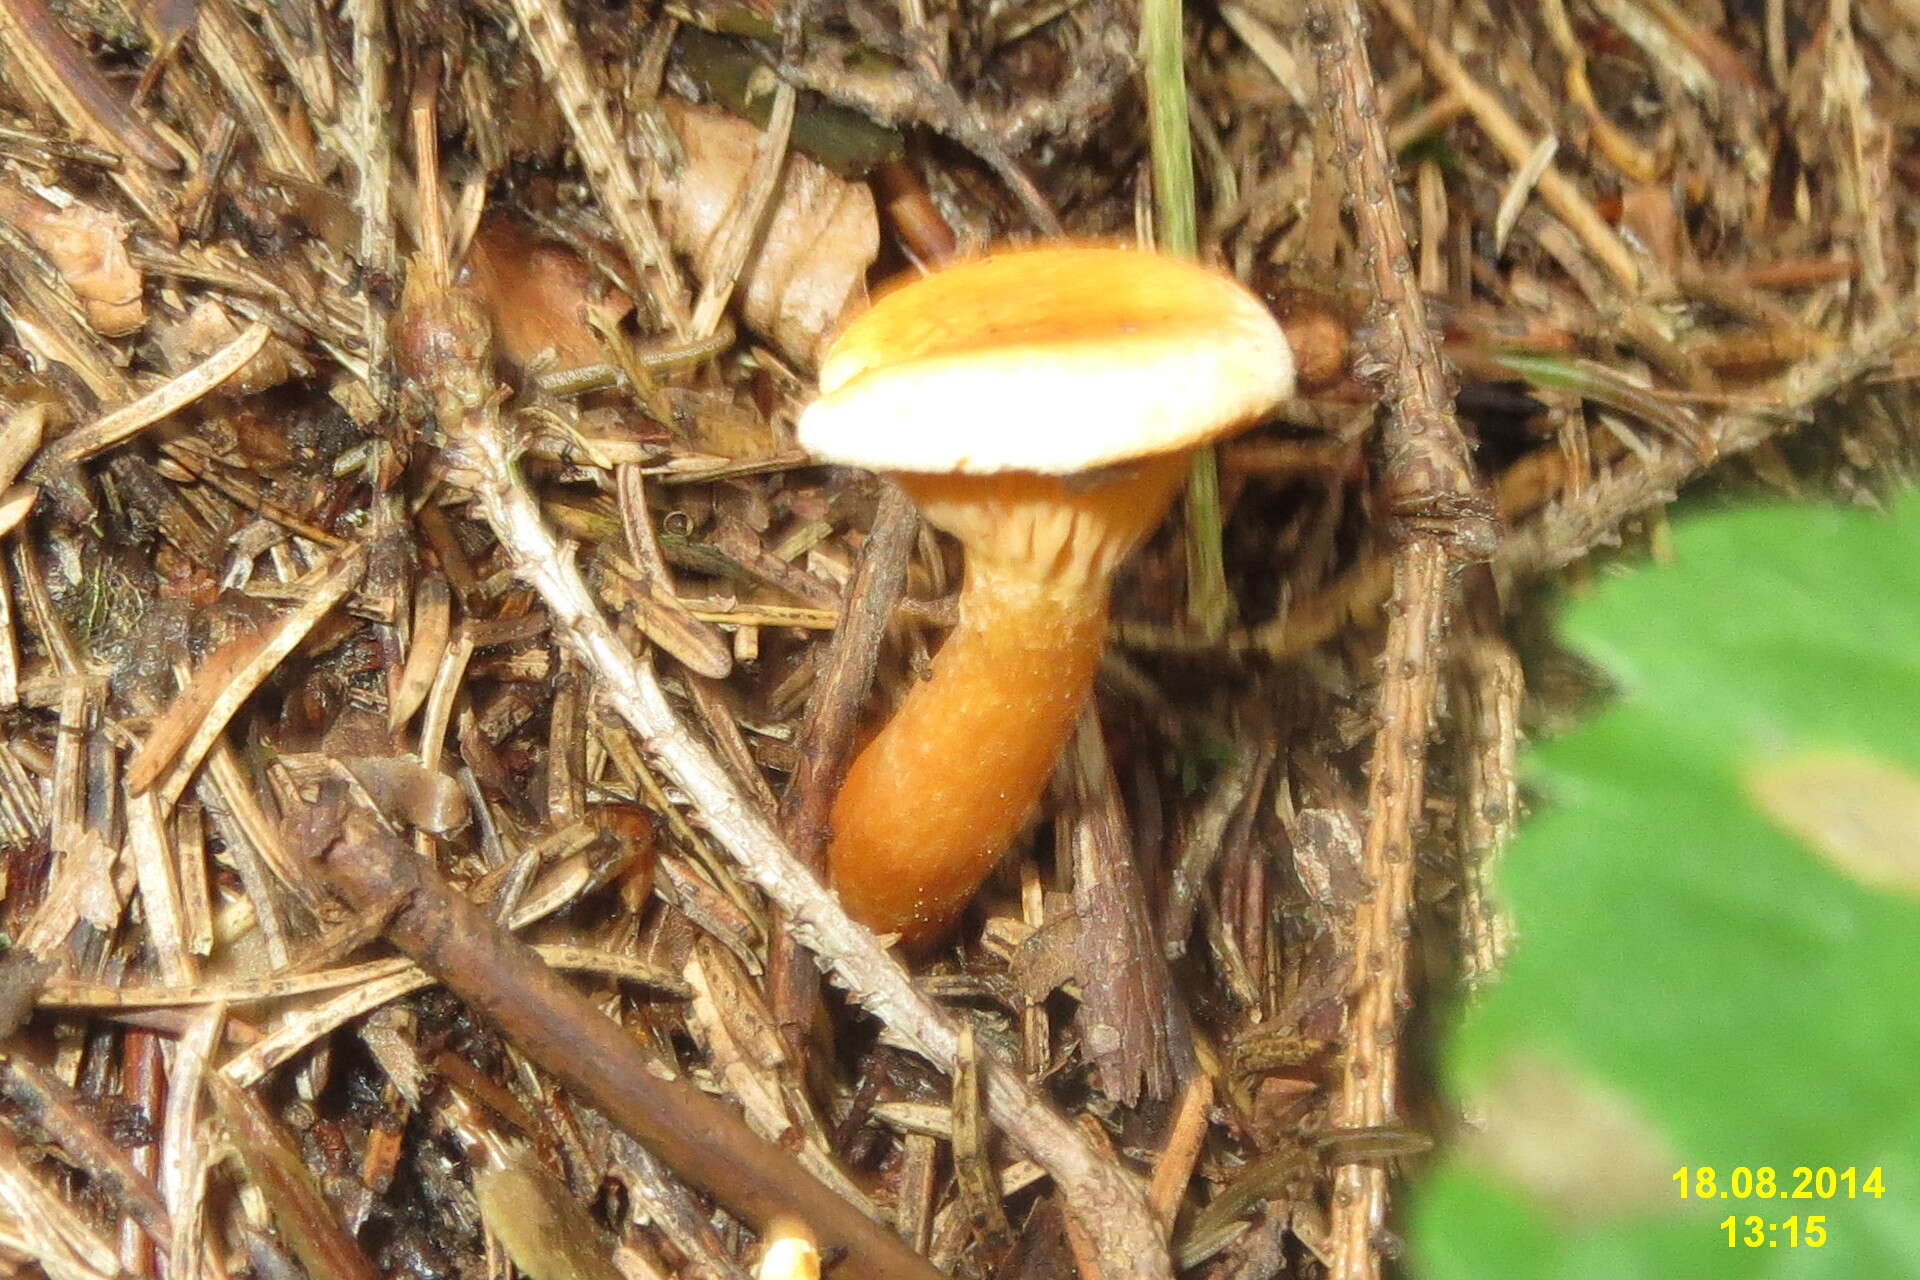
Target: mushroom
{"points": [[1040, 406]]}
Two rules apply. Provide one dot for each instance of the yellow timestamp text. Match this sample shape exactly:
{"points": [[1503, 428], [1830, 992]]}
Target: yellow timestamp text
{"points": [[1756, 1232], [1765, 1182]]}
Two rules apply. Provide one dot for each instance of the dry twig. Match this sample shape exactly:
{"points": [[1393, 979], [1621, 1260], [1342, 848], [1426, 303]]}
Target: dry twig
{"points": [[827, 734], [560, 1029], [1431, 488]]}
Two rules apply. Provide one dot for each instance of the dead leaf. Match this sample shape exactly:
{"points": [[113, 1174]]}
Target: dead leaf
{"points": [[88, 246], [822, 234], [540, 296]]}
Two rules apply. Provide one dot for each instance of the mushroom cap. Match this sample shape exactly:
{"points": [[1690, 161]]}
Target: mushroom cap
{"points": [[1052, 360]]}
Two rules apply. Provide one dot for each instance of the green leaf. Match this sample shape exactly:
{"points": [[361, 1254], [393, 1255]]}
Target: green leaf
{"points": [[1718, 914]]}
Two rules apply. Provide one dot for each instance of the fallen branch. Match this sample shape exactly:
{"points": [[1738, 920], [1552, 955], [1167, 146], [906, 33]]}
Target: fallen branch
{"points": [[1433, 497], [561, 1030]]}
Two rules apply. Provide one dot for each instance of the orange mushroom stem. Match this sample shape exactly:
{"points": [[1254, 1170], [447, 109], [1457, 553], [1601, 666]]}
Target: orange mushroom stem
{"points": [[1041, 408], [940, 793]]}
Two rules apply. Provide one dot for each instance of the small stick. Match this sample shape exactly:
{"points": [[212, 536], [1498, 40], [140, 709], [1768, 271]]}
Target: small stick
{"points": [[1174, 1169], [156, 872], [310, 1225], [826, 738], [913, 1204], [365, 122], [1798, 273], [75, 87], [227, 47], [1431, 489], [563, 1031], [214, 477], [52, 1105], [667, 623], [673, 1211], [972, 1168], [183, 1156], [717, 715], [1368, 1096], [44, 1227], [740, 231], [1490, 684], [9, 641]]}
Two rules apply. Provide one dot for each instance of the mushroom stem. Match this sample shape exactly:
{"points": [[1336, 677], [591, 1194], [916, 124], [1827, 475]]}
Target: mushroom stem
{"points": [[937, 796]]}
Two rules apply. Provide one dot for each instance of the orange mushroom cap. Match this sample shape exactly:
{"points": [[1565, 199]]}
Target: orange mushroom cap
{"points": [[1055, 360]]}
